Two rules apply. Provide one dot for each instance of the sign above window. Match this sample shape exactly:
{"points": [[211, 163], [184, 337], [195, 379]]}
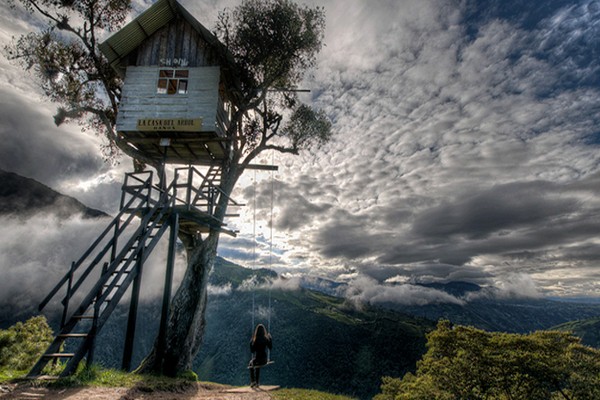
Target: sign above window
{"points": [[172, 81], [169, 124]]}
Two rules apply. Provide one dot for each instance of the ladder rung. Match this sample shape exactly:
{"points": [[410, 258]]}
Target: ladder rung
{"points": [[115, 286], [73, 335], [59, 355], [43, 377], [107, 300]]}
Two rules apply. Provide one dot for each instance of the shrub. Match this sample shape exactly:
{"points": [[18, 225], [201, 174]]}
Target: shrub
{"points": [[23, 343], [467, 363]]}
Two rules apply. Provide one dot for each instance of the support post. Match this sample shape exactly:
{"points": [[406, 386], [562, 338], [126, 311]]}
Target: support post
{"points": [[67, 298], [94, 329], [133, 307], [162, 331]]}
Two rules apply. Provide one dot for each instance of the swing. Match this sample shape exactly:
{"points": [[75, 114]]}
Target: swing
{"points": [[269, 361]]}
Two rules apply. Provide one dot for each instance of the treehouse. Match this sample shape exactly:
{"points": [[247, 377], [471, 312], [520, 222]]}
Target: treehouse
{"points": [[175, 99], [174, 108]]}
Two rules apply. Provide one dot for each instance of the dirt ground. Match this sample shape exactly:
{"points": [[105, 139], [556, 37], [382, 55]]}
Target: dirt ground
{"points": [[193, 392]]}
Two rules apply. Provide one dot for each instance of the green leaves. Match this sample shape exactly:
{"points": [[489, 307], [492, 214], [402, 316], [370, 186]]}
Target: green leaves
{"points": [[273, 41], [23, 343], [65, 58], [468, 363], [307, 126], [273, 44]]}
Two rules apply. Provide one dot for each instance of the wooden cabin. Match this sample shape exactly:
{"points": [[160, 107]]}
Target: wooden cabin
{"points": [[174, 104]]}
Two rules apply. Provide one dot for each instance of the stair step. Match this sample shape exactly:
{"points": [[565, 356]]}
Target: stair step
{"points": [[105, 301], [73, 335], [43, 377], [59, 355], [83, 316]]}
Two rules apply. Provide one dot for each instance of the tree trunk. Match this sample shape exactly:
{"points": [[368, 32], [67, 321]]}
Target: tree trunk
{"points": [[186, 323]]}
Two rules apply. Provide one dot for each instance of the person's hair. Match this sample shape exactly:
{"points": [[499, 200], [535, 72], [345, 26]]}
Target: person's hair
{"points": [[259, 333]]}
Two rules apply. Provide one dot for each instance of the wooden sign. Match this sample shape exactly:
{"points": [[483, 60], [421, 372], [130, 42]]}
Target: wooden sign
{"points": [[169, 124]]}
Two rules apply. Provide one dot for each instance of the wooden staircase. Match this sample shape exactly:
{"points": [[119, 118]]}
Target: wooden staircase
{"points": [[115, 260], [122, 266]]}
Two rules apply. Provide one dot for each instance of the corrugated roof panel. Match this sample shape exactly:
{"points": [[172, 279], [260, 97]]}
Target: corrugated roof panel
{"points": [[128, 39], [108, 52], [156, 17], [131, 36], [134, 33]]}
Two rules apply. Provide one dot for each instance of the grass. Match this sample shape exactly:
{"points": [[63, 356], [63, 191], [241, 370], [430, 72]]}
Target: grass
{"points": [[100, 377], [8, 375], [304, 394]]}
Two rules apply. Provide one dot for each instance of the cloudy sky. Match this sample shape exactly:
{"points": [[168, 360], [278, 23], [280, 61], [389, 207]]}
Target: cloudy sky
{"points": [[467, 138]]}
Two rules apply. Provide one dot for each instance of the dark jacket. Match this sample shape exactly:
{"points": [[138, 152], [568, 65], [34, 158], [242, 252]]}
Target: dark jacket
{"points": [[259, 348]]}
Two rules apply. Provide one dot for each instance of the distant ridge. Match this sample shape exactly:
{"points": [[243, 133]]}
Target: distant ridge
{"points": [[455, 288], [588, 330], [23, 196]]}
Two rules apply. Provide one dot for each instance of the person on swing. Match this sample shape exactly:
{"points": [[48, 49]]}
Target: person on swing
{"points": [[261, 340]]}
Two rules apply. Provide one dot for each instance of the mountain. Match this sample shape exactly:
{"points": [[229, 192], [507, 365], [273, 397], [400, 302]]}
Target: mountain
{"points": [[24, 196], [511, 315], [494, 313], [319, 342], [457, 289], [588, 330], [483, 308]]}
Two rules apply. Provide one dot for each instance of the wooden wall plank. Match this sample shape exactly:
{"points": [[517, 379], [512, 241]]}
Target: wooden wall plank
{"points": [[140, 99]]}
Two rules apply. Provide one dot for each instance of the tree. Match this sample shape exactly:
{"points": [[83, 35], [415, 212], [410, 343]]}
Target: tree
{"points": [[272, 42], [23, 343], [468, 363]]}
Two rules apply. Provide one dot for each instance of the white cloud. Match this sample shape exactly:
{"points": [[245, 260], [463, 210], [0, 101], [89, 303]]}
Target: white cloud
{"points": [[224, 290], [448, 129], [36, 253], [365, 290], [511, 286]]}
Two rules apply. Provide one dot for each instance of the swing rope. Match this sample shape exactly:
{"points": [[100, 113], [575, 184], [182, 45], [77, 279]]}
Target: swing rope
{"points": [[270, 252], [253, 245], [271, 241]]}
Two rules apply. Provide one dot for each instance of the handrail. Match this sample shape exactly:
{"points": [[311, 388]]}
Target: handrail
{"points": [[143, 193], [117, 261], [206, 183], [87, 253], [137, 236], [113, 266]]}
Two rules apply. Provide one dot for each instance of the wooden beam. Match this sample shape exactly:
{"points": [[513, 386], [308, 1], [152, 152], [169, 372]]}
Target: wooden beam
{"points": [[152, 140], [263, 167]]}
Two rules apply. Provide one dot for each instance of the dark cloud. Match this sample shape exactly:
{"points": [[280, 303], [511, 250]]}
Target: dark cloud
{"points": [[501, 208], [32, 146], [297, 208], [465, 149]]}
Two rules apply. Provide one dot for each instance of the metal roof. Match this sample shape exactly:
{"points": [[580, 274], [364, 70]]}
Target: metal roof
{"points": [[123, 42]]}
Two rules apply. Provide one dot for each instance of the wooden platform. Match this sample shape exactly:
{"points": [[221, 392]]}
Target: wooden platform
{"points": [[197, 148], [248, 389]]}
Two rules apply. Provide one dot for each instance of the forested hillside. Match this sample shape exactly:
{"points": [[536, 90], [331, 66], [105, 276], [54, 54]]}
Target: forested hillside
{"points": [[483, 309], [319, 342], [588, 330], [468, 363]]}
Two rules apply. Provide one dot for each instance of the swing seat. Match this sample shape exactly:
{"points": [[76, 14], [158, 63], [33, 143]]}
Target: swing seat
{"points": [[248, 389], [262, 365]]}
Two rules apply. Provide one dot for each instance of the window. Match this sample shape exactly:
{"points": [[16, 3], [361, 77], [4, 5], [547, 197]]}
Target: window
{"points": [[172, 81]]}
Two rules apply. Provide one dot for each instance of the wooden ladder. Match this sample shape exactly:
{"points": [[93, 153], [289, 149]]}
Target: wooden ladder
{"points": [[78, 331]]}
